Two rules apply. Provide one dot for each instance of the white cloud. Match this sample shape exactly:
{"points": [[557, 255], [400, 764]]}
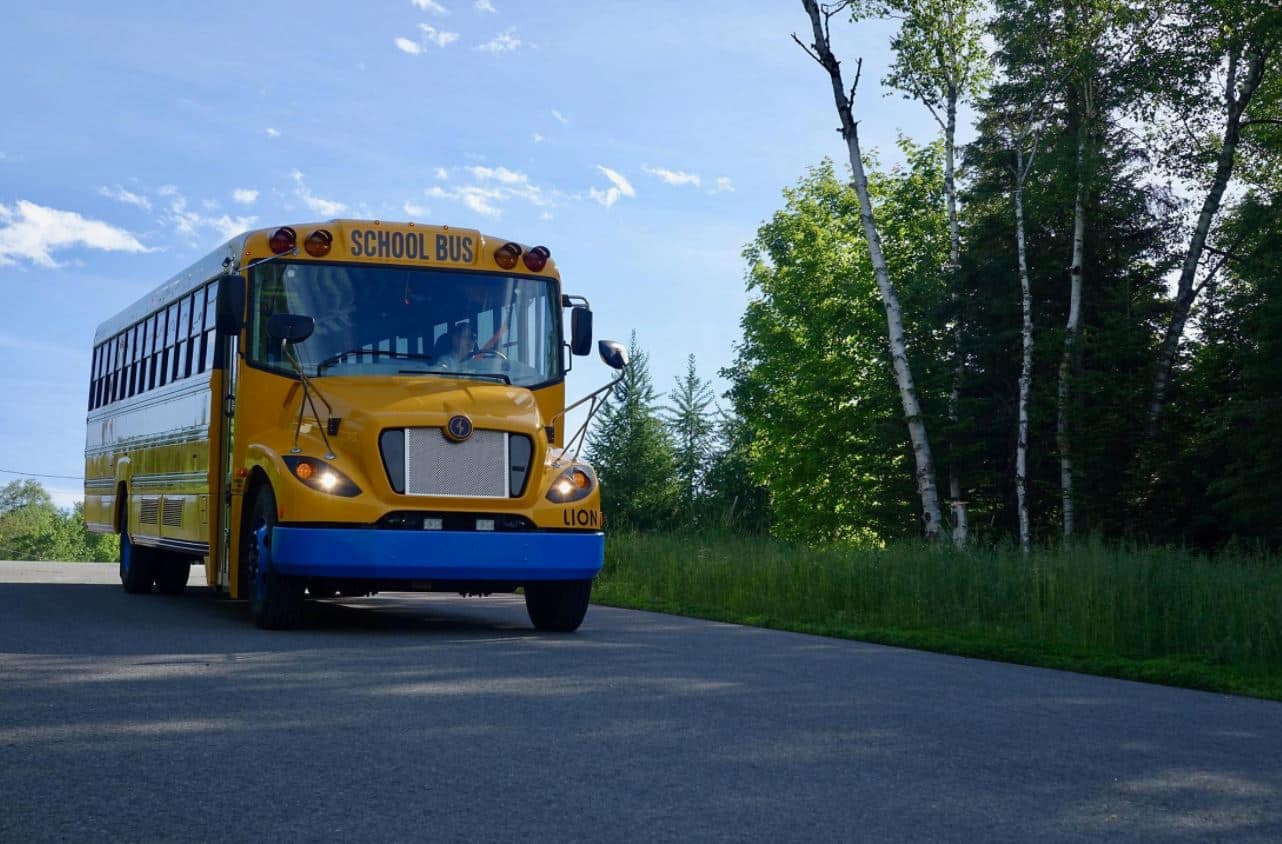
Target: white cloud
{"points": [[438, 37], [484, 6], [479, 199], [33, 232], [620, 186], [209, 204], [414, 209], [245, 196], [498, 174], [560, 118], [431, 6], [442, 173], [166, 190], [504, 42], [538, 139], [324, 207], [723, 185], [127, 197], [493, 187], [407, 46], [272, 133], [192, 223], [674, 177]]}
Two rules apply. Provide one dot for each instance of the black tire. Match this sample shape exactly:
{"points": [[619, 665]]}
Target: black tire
{"points": [[558, 606], [172, 573], [275, 601], [136, 569]]}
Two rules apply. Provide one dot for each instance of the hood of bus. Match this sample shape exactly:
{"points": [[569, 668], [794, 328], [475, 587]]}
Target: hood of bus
{"points": [[365, 404]]}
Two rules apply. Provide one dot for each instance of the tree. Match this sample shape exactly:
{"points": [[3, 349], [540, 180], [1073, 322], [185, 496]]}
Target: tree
{"points": [[24, 493], [814, 383], [632, 454], [32, 528], [691, 426], [940, 61], [820, 50]]}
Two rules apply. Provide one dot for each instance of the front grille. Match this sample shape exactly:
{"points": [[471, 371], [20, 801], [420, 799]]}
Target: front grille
{"points": [[474, 468]]}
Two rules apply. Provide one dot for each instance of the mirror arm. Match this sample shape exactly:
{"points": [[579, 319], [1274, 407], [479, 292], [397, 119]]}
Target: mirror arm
{"points": [[308, 389], [277, 257], [580, 435]]}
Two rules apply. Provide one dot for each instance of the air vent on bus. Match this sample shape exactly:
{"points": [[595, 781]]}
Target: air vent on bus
{"points": [[173, 512], [149, 511]]}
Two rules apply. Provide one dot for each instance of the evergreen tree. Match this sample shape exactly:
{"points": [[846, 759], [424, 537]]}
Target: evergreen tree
{"points": [[691, 426], [632, 453]]}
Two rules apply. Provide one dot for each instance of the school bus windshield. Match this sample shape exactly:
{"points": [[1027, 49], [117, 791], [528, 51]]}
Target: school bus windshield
{"points": [[373, 320]]}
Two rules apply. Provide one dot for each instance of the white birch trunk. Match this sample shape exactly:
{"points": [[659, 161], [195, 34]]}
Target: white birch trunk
{"points": [[925, 466], [1026, 363], [961, 520], [1071, 329], [1235, 105]]}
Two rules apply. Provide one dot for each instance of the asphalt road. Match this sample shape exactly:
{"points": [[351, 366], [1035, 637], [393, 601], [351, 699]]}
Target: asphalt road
{"points": [[416, 717]]}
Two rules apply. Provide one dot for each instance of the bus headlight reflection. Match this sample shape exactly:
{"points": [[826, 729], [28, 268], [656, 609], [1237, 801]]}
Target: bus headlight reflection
{"points": [[573, 484]]}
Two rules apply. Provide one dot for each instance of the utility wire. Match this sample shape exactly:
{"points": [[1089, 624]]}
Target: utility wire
{"points": [[38, 475]]}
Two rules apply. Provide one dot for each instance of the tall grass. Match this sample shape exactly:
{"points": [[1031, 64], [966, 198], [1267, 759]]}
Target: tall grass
{"points": [[1159, 614]]}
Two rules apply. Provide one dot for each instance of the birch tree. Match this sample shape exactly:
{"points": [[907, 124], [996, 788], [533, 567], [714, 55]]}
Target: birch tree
{"points": [[821, 51], [940, 61], [1244, 38]]}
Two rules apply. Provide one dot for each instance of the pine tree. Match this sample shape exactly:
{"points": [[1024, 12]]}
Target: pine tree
{"points": [[691, 426], [632, 453]]}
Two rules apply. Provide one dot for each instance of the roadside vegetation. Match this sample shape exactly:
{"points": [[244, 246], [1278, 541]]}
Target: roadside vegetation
{"points": [[1160, 615], [33, 528]]}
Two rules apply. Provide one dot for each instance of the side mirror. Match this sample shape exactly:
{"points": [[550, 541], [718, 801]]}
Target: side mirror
{"points": [[291, 328], [614, 353], [230, 304], [580, 331]]}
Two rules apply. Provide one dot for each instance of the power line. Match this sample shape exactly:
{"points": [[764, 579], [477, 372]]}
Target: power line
{"points": [[39, 475]]}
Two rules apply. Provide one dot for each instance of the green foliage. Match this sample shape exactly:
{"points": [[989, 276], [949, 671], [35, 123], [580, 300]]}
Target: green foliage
{"points": [[32, 528], [690, 423], [1157, 614], [632, 452], [813, 379]]}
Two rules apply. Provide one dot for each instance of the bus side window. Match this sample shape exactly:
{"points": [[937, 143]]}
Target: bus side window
{"points": [[135, 340], [166, 351], [207, 339], [157, 328]]}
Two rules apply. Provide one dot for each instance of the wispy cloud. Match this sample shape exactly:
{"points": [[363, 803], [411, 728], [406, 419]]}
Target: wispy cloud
{"points": [[674, 177], [559, 117], [128, 197], [33, 233], [245, 196], [484, 6], [431, 6], [442, 173], [436, 36], [479, 199], [193, 223], [414, 209], [407, 46], [538, 139], [504, 42], [272, 133], [324, 207], [723, 185], [493, 187], [619, 186]]}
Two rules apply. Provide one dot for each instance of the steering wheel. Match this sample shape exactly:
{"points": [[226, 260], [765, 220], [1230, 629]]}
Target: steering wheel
{"points": [[487, 353]]}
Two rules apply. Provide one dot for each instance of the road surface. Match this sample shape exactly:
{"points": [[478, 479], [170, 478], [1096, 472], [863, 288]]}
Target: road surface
{"points": [[416, 717]]}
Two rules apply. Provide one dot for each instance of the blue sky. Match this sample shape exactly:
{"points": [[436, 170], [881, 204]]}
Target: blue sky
{"points": [[643, 143]]}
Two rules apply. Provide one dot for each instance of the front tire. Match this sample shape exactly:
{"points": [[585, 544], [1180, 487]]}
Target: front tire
{"points": [[557, 606], [275, 601]]}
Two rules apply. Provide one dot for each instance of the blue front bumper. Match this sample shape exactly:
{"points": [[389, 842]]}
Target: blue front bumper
{"points": [[515, 557]]}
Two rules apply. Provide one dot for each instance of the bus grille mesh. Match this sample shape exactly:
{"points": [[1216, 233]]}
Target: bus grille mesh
{"points": [[149, 511], [172, 513], [476, 467]]}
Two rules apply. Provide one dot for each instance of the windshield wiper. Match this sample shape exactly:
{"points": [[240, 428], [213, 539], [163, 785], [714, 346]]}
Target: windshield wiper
{"points": [[334, 360], [445, 373]]}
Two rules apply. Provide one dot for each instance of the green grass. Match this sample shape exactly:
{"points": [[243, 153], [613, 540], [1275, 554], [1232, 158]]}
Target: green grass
{"points": [[1157, 615]]}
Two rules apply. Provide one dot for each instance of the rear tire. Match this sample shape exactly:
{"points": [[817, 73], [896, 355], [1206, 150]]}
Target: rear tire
{"points": [[135, 563], [275, 601], [172, 573], [558, 606]]}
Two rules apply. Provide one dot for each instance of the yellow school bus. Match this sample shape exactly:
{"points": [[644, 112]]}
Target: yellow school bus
{"points": [[339, 408]]}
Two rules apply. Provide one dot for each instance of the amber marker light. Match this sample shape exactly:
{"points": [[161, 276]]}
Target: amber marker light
{"points": [[318, 243], [537, 258], [505, 256], [304, 471], [283, 240]]}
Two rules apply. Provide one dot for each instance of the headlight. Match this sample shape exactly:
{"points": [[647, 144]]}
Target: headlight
{"points": [[321, 476], [571, 485]]}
